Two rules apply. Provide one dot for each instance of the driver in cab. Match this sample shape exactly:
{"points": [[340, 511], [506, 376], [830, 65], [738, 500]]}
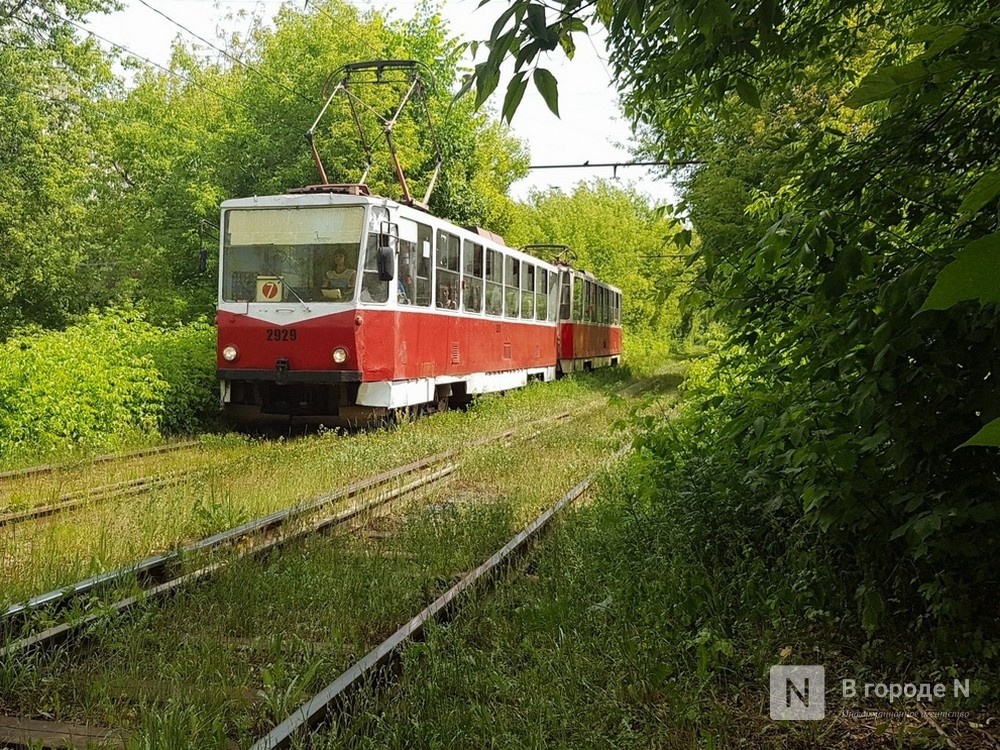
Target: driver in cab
{"points": [[340, 278]]}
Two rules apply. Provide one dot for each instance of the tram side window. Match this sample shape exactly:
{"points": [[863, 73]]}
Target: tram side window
{"points": [[527, 291], [472, 277], [578, 287], [406, 273], [590, 314], [511, 272], [541, 294], [553, 301], [602, 297], [448, 260], [494, 282], [618, 308], [421, 280], [373, 289]]}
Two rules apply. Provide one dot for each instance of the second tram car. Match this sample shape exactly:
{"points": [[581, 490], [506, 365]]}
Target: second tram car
{"points": [[338, 306]]}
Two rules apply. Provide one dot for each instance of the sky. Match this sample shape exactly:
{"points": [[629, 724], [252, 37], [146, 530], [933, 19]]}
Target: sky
{"points": [[591, 128]]}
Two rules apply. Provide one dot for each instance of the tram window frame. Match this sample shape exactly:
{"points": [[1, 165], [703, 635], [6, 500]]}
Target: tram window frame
{"points": [[447, 262], [553, 303], [473, 269], [588, 302], [579, 287], [494, 283], [422, 280], [405, 263], [511, 285], [541, 294], [527, 290], [374, 291]]}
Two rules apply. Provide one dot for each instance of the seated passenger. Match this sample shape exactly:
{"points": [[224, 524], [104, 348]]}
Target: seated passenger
{"points": [[445, 298], [340, 277]]}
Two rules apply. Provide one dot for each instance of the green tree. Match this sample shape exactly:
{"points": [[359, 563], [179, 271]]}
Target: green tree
{"points": [[620, 238], [857, 143], [227, 125], [48, 81]]}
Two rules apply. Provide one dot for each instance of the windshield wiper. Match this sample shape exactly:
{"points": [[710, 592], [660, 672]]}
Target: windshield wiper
{"points": [[290, 288]]}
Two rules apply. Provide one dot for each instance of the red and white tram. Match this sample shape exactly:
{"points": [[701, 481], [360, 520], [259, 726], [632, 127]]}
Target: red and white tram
{"points": [[336, 306]]}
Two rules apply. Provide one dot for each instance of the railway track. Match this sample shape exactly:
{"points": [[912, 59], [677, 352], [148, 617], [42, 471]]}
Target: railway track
{"points": [[44, 469], [161, 575], [74, 500], [335, 699]]}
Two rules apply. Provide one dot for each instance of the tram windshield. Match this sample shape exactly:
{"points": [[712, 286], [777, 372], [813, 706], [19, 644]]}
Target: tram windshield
{"points": [[307, 254]]}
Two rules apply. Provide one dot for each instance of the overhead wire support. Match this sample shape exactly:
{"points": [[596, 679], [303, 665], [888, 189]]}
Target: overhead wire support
{"points": [[615, 165], [380, 72]]}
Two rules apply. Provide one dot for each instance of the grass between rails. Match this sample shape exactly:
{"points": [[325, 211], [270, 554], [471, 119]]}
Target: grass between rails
{"points": [[228, 659], [650, 619], [246, 480], [21, 493]]}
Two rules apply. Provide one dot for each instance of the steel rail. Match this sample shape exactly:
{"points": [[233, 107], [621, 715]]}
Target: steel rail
{"points": [[58, 633], [336, 695], [72, 500], [156, 566], [106, 458], [285, 534]]}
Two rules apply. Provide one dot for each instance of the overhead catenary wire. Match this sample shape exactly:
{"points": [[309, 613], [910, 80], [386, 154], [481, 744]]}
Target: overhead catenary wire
{"points": [[230, 56], [326, 13], [168, 71]]}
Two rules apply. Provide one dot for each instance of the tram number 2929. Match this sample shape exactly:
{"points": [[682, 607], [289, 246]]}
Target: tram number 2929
{"points": [[282, 334]]}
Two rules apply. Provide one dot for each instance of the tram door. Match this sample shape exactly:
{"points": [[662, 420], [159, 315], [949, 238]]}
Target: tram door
{"points": [[565, 299]]}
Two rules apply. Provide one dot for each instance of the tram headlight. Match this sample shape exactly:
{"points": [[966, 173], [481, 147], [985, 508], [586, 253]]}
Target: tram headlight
{"points": [[230, 353], [340, 355]]}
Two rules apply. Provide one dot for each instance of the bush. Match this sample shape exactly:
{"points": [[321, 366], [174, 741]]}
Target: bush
{"points": [[106, 382]]}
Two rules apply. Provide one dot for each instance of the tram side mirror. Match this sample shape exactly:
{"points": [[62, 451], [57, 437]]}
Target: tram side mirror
{"points": [[203, 261], [386, 259]]}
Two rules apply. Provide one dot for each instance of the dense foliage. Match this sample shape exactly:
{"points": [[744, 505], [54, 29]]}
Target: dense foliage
{"points": [[615, 234], [104, 383], [850, 152]]}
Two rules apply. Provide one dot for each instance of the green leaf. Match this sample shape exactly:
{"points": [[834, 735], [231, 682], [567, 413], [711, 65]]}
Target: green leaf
{"points": [[487, 79], [986, 189], [874, 87], [886, 83], [527, 52], [547, 86], [535, 22], [605, 11], [515, 92], [989, 435], [567, 44], [975, 273], [747, 92]]}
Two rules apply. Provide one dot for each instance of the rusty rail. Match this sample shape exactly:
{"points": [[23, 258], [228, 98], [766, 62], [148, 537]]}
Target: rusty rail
{"points": [[335, 696], [107, 458]]}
